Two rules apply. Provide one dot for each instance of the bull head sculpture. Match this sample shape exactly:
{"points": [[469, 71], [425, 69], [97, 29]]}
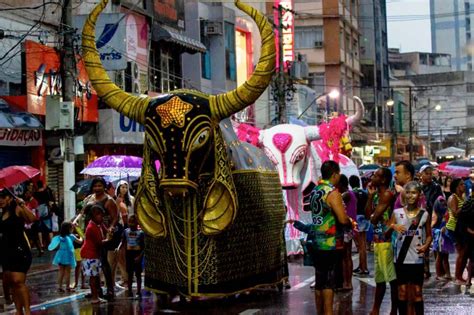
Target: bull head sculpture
{"points": [[288, 147], [181, 131]]}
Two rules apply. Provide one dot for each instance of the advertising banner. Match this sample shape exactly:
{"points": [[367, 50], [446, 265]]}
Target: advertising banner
{"points": [[109, 34], [169, 12], [116, 128]]}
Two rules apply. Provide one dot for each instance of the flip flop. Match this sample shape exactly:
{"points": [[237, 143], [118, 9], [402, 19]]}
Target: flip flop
{"points": [[99, 301]]}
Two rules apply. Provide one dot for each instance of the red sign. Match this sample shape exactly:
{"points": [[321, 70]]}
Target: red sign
{"points": [[288, 23], [43, 78], [170, 12]]}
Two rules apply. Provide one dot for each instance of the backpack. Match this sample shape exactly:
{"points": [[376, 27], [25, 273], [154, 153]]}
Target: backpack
{"points": [[361, 200]]}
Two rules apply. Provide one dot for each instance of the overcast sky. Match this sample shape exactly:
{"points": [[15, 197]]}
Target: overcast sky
{"points": [[409, 25]]}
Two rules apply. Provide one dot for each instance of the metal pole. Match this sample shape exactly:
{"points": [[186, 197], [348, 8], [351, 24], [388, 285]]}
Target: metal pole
{"points": [[410, 119], [429, 131], [68, 72], [281, 70]]}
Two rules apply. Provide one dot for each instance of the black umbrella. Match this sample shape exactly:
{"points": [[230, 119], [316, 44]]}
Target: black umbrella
{"points": [[367, 167], [462, 163], [422, 163], [82, 187]]}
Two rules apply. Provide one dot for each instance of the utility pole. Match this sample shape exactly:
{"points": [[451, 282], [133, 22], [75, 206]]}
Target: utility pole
{"points": [[68, 64], [410, 119], [281, 69]]}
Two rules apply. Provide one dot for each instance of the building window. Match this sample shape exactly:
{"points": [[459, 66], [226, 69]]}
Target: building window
{"points": [[206, 56], [470, 110], [166, 80], [308, 37], [230, 52], [470, 87]]}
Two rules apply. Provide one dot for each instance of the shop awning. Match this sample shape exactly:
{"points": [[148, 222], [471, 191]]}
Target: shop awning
{"points": [[17, 120], [164, 33]]}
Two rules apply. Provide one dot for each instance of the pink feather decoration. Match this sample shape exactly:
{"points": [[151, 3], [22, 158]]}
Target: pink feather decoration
{"points": [[331, 134]]}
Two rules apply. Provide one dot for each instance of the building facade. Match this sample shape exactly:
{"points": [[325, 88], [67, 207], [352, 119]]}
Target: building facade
{"points": [[374, 63], [451, 31], [327, 34], [413, 63]]}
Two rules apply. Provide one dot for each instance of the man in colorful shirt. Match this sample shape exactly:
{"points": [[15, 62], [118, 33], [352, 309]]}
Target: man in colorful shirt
{"points": [[325, 234], [379, 208]]}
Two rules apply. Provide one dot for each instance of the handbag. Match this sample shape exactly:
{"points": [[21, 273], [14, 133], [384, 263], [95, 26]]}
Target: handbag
{"points": [[307, 252]]}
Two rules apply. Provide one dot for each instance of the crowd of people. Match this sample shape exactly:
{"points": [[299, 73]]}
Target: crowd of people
{"points": [[404, 217], [103, 236]]}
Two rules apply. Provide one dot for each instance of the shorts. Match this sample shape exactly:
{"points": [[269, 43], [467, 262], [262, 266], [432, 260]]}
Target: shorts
{"points": [[383, 261], [91, 267], [410, 274], [363, 224], [17, 260], [326, 268]]}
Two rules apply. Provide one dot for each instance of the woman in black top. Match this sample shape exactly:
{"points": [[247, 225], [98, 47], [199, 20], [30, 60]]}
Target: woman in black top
{"points": [[14, 242]]}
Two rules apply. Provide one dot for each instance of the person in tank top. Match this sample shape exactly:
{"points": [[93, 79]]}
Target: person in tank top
{"points": [[412, 239]]}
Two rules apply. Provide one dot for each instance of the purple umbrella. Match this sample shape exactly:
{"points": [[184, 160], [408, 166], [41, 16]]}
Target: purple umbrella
{"points": [[115, 166]]}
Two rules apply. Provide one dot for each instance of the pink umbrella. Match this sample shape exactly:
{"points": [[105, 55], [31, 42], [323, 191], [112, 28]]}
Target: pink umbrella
{"points": [[458, 171], [13, 175]]}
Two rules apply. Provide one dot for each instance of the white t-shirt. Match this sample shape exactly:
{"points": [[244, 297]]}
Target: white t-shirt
{"points": [[419, 236]]}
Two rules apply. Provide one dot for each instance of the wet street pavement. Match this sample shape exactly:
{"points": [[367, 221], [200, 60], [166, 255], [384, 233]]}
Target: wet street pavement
{"points": [[440, 297]]}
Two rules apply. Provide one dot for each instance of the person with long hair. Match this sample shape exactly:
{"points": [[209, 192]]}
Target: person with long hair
{"points": [[64, 257], [124, 196], [413, 238], [446, 186], [16, 257], [455, 202], [442, 244]]}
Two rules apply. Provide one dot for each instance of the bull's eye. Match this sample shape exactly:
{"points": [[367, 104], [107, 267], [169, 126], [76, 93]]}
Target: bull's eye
{"points": [[200, 140], [299, 154]]}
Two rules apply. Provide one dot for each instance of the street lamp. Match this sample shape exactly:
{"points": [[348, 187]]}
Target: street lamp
{"points": [[390, 102], [393, 140], [437, 108], [333, 94]]}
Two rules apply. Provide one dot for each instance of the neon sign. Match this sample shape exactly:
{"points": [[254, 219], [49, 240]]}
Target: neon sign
{"points": [[288, 23]]}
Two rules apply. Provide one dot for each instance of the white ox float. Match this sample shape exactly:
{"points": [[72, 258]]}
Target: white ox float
{"points": [[298, 152]]}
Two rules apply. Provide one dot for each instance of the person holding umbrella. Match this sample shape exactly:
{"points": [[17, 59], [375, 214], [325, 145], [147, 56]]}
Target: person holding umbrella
{"points": [[16, 264]]}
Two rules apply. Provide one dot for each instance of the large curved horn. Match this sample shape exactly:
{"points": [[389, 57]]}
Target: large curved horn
{"points": [[224, 105], [354, 119], [131, 106]]}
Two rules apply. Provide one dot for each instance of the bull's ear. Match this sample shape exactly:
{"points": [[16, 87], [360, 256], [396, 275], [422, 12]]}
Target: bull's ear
{"points": [[220, 204], [312, 133]]}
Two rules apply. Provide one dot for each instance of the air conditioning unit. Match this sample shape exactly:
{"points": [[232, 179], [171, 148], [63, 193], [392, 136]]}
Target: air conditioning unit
{"points": [[213, 28], [132, 78], [318, 44], [66, 115]]}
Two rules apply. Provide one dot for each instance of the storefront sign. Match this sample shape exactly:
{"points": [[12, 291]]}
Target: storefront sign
{"points": [[170, 12], [288, 23], [116, 128], [109, 34], [20, 137], [43, 78]]}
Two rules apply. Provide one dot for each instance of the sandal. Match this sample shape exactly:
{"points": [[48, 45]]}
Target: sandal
{"points": [[70, 290], [99, 301], [61, 290]]}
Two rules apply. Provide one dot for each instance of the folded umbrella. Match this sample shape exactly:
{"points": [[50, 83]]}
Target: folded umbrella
{"points": [[14, 175]]}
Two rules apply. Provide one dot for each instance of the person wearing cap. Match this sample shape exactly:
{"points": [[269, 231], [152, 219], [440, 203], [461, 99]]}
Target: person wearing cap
{"points": [[431, 191], [15, 248], [469, 183]]}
